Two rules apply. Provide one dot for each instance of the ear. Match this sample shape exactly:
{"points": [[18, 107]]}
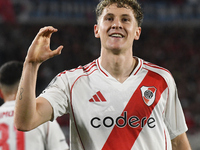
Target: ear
{"points": [[1, 94], [137, 33], [96, 31]]}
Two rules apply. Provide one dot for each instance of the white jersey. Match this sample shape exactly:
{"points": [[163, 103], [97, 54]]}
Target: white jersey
{"points": [[47, 136], [142, 113]]}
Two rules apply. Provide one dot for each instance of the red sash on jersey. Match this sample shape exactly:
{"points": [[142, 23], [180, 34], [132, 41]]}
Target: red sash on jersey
{"points": [[124, 138]]}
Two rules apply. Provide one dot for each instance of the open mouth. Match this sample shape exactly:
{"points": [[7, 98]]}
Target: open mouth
{"points": [[117, 35]]}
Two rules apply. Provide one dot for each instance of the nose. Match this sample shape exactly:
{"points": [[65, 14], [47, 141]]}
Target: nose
{"points": [[117, 24]]}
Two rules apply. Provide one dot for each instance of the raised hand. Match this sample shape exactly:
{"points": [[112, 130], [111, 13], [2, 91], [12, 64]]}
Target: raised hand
{"points": [[39, 51]]}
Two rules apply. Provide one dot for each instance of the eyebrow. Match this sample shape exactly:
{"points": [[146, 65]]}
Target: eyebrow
{"points": [[109, 14], [124, 15]]}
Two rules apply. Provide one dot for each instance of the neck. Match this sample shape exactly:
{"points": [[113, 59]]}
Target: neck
{"points": [[9, 97], [8, 93], [119, 66]]}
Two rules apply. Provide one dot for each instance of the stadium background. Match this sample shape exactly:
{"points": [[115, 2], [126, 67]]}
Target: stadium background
{"points": [[170, 38]]}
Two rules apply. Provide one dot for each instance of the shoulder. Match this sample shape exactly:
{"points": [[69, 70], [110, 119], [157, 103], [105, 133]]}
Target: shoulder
{"points": [[163, 72], [155, 68], [84, 70]]}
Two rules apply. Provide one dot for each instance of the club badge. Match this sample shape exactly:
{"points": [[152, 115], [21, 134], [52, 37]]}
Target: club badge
{"points": [[148, 94]]}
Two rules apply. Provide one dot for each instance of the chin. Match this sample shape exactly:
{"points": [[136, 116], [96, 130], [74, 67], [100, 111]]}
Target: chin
{"points": [[116, 51]]}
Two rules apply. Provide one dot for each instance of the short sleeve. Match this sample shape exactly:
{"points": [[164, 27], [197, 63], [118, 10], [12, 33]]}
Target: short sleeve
{"points": [[174, 116], [57, 93]]}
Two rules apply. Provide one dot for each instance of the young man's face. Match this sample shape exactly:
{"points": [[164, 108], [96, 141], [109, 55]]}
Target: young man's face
{"points": [[117, 28]]}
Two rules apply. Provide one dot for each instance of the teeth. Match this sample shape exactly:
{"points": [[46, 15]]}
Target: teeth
{"points": [[116, 35]]}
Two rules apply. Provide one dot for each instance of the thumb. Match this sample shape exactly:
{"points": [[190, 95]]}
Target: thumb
{"points": [[56, 51]]}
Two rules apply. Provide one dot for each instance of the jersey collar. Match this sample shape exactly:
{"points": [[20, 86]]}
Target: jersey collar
{"points": [[105, 73]]}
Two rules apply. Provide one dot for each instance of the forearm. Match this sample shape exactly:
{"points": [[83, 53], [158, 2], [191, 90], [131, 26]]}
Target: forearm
{"points": [[25, 110]]}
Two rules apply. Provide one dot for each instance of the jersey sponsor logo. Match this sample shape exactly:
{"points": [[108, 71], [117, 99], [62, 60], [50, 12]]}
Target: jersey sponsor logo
{"points": [[98, 97], [148, 94], [122, 121]]}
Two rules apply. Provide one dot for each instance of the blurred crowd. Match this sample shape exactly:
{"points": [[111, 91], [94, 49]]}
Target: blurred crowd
{"points": [[82, 11]]}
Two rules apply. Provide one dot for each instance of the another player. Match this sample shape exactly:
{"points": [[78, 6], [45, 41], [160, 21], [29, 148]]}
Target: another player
{"points": [[47, 136], [116, 102]]}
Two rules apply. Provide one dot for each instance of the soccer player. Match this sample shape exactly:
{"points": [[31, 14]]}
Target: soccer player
{"points": [[47, 136], [116, 102]]}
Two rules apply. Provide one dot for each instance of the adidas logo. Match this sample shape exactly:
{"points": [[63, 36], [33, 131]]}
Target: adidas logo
{"points": [[98, 97]]}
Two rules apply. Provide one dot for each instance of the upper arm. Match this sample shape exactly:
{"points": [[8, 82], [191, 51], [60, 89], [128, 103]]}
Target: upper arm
{"points": [[34, 116], [44, 110], [181, 142]]}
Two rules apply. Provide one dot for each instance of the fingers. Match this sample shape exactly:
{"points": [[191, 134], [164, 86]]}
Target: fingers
{"points": [[46, 32]]}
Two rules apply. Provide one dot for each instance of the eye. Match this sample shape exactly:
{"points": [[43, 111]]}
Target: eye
{"points": [[109, 19], [125, 19]]}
